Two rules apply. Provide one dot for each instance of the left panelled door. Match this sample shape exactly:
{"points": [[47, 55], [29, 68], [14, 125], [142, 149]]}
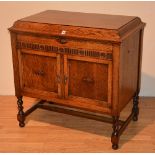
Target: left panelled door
{"points": [[40, 73]]}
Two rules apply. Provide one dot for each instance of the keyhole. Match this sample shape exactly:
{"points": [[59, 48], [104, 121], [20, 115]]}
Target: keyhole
{"points": [[63, 32]]}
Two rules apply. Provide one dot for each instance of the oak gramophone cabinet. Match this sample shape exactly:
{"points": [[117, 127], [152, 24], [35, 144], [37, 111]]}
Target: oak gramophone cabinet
{"points": [[83, 64]]}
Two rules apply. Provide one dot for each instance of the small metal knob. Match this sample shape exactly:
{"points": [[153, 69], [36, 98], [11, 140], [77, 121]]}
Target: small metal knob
{"points": [[39, 73], [62, 40], [89, 80]]}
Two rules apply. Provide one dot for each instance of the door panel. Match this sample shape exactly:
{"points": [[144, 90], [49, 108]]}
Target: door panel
{"points": [[86, 80], [89, 79], [40, 72]]}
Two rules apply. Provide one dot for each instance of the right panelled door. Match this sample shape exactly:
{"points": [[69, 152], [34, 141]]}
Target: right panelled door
{"points": [[88, 79]]}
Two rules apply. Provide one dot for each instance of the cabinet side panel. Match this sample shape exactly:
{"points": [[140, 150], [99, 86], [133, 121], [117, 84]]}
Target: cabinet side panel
{"points": [[140, 59], [129, 61], [15, 65]]}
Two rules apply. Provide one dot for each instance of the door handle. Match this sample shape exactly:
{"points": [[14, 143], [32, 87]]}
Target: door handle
{"points": [[39, 73], [87, 79]]}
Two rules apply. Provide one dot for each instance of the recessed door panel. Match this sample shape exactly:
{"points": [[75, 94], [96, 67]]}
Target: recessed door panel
{"points": [[90, 79], [40, 72]]}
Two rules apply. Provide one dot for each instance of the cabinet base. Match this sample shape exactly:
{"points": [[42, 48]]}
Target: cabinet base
{"points": [[118, 125]]}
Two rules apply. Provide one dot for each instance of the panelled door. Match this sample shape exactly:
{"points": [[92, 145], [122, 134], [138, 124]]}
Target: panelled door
{"points": [[87, 79], [40, 72]]}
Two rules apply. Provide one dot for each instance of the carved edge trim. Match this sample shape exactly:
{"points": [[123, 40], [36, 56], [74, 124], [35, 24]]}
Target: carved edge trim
{"points": [[65, 50]]}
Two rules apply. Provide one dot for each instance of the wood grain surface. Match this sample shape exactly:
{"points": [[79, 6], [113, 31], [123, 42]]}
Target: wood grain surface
{"points": [[80, 19], [87, 61], [78, 25], [47, 131]]}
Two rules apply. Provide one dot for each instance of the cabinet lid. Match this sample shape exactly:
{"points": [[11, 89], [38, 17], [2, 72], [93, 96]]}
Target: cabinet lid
{"points": [[80, 19], [76, 24]]}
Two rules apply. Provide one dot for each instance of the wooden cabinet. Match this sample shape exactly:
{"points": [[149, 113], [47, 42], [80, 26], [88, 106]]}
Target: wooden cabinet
{"points": [[86, 65]]}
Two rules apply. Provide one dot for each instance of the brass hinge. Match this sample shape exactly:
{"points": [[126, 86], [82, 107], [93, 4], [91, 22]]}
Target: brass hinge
{"points": [[65, 79], [58, 78]]}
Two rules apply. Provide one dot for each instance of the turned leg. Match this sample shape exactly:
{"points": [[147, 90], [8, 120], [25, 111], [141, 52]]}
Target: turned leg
{"points": [[135, 108], [115, 135], [20, 115]]}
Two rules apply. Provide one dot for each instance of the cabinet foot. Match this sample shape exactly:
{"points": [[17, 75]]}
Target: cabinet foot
{"points": [[21, 124], [115, 146], [135, 108], [20, 115], [115, 134]]}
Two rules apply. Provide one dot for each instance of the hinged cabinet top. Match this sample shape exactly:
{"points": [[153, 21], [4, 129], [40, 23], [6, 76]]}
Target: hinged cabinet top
{"points": [[80, 19], [102, 26]]}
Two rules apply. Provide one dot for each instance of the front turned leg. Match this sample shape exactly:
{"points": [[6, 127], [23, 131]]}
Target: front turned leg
{"points": [[135, 108], [115, 134], [20, 115]]}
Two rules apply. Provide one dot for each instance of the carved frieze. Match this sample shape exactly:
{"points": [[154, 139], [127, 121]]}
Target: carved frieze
{"points": [[65, 50]]}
